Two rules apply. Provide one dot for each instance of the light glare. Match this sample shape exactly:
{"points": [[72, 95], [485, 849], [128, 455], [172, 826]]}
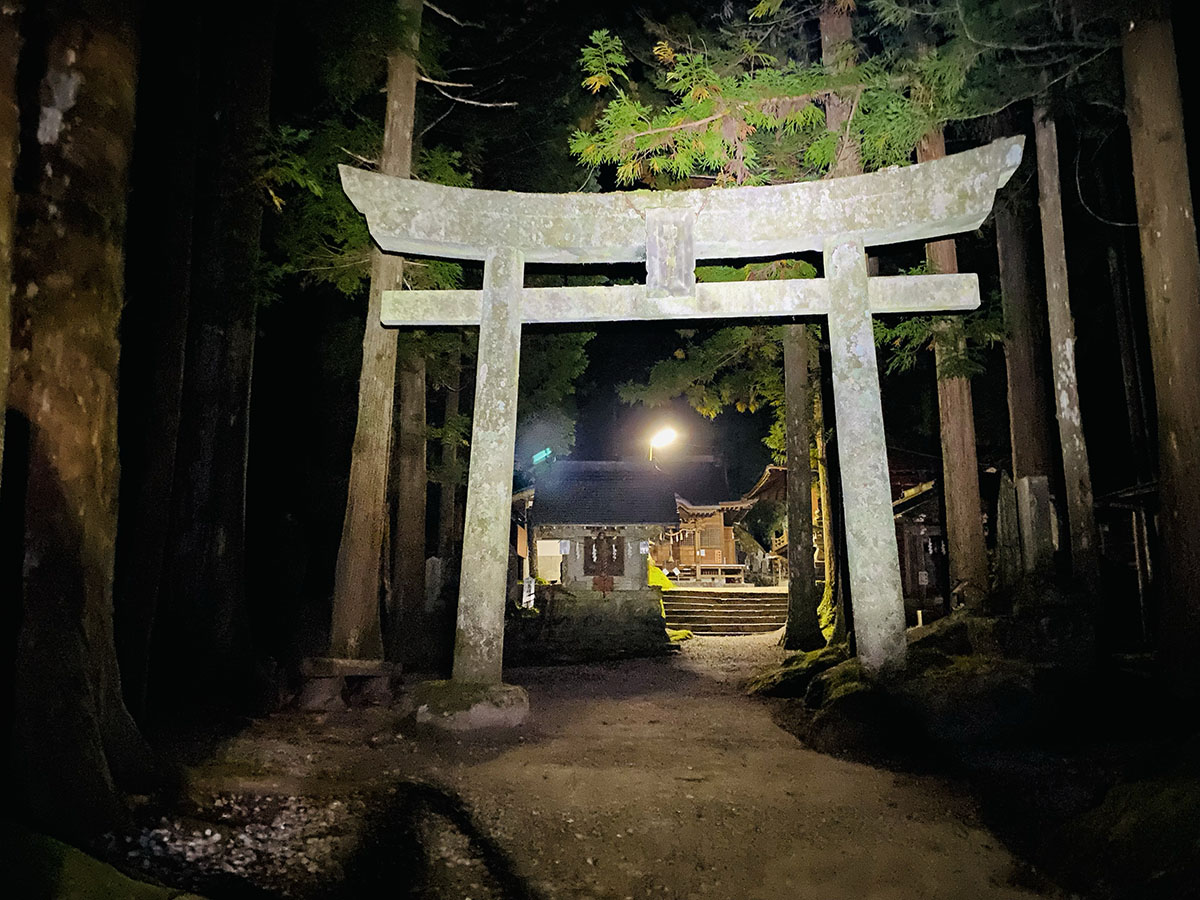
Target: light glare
{"points": [[663, 437]]}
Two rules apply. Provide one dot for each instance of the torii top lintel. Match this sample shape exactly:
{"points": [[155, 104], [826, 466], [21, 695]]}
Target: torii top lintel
{"points": [[911, 203]]}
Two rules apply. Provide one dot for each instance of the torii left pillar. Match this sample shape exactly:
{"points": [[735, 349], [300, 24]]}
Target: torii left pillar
{"points": [[476, 696], [479, 640]]}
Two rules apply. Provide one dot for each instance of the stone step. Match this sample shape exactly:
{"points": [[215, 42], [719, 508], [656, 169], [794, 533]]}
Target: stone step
{"points": [[726, 610], [731, 616], [741, 594], [725, 613], [731, 601], [726, 604], [728, 628]]}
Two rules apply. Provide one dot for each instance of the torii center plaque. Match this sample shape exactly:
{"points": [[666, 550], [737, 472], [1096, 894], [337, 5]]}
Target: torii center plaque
{"points": [[670, 230]]}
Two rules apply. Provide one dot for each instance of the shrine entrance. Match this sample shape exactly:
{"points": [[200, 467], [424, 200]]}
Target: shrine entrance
{"points": [[670, 231]]}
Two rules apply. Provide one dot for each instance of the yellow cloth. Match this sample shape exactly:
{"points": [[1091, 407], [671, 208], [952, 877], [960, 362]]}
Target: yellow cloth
{"points": [[658, 578]]}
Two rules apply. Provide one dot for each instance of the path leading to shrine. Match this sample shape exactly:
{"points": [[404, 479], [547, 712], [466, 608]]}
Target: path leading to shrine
{"points": [[645, 778]]}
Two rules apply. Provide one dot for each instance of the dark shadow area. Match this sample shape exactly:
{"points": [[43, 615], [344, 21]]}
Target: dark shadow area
{"points": [[394, 855], [1089, 777], [12, 551]]}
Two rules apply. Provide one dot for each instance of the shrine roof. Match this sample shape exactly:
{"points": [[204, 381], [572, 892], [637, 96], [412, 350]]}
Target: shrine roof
{"points": [[604, 493]]}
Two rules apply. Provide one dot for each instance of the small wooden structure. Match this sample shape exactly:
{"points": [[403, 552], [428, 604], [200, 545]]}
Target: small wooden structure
{"points": [[593, 522], [599, 522], [916, 510], [701, 548]]}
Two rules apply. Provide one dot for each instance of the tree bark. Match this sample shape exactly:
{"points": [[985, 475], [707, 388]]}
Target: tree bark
{"points": [[75, 743], [10, 139], [355, 631], [1077, 477], [803, 631], [448, 533], [406, 606], [837, 560], [831, 545], [152, 366], [960, 465], [210, 620], [1171, 266], [1024, 313], [837, 33]]}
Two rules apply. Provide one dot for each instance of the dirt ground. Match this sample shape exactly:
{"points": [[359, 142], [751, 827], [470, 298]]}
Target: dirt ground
{"points": [[637, 779]]}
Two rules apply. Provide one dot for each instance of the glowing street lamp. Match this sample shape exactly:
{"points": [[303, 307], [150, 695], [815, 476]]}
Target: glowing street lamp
{"points": [[661, 438]]}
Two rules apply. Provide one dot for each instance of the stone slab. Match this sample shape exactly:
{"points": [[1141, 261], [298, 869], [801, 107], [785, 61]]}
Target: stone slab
{"points": [[334, 667], [1034, 514], [670, 253]]}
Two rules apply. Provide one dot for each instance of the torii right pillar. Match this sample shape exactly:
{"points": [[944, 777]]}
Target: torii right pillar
{"points": [[879, 625]]}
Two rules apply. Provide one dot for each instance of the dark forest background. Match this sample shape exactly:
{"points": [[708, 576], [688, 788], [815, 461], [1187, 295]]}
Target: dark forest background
{"points": [[190, 291]]}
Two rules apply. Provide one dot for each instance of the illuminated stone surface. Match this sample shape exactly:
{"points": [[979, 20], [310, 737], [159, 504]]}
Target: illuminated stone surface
{"points": [[669, 230]]}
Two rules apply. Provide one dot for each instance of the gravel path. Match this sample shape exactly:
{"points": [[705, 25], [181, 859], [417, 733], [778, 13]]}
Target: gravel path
{"points": [[640, 779]]}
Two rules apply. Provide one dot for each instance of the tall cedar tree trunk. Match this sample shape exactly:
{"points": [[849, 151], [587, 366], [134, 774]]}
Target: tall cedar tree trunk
{"points": [[836, 610], [1024, 315], [960, 466], [75, 743], [10, 139], [803, 631], [1115, 192], [355, 631], [1172, 276], [408, 640], [1077, 477], [448, 534], [155, 321], [837, 563], [208, 591], [837, 36]]}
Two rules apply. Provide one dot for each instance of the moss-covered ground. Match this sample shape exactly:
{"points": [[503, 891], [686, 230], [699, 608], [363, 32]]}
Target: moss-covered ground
{"points": [[1087, 771]]}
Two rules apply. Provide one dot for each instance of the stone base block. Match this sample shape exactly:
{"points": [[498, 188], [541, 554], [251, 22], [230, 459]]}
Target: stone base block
{"points": [[321, 694], [373, 691], [459, 706]]}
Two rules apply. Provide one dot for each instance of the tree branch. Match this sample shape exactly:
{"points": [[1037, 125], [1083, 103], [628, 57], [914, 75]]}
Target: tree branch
{"points": [[457, 84], [1016, 48], [450, 96], [445, 15]]}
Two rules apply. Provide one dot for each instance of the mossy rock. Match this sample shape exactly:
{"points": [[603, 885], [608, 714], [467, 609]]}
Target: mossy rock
{"points": [[1064, 637], [949, 634], [972, 699], [1144, 837], [462, 706], [861, 721], [793, 676], [925, 658], [836, 681], [43, 867]]}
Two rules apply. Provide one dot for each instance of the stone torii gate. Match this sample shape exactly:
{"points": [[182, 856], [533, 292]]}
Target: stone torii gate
{"points": [[670, 230]]}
